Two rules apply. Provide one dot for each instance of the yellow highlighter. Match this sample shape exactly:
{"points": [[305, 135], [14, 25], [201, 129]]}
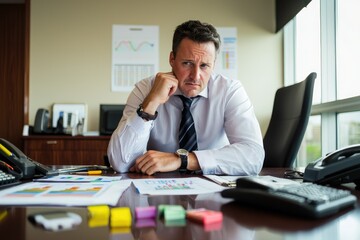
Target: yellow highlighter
{"points": [[98, 215], [94, 172], [5, 150], [120, 217], [90, 172]]}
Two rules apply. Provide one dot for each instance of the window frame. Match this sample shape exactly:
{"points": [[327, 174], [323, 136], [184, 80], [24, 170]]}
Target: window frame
{"points": [[329, 106]]}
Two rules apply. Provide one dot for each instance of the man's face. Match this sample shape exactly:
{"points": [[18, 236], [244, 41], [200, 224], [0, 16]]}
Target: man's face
{"points": [[193, 65]]}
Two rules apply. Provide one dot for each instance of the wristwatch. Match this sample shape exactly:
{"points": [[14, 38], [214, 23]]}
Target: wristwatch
{"points": [[144, 115], [183, 154]]}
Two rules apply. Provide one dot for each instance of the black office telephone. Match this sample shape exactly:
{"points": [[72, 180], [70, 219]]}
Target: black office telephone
{"points": [[290, 197], [16, 163], [338, 167]]}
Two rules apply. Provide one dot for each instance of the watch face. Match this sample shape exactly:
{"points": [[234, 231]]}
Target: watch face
{"points": [[182, 152]]}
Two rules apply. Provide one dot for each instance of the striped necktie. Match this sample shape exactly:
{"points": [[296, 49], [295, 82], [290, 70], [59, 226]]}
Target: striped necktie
{"points": [[187, 133]]}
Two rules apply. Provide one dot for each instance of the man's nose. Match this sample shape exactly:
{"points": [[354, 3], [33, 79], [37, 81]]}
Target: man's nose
{"points": [[195, 73]]}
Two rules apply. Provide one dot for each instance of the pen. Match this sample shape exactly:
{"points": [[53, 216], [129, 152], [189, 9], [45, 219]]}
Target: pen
{"points": [[90, 172]]}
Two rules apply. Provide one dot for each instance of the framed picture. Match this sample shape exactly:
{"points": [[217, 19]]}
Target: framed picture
{"points": [[71, 114]]}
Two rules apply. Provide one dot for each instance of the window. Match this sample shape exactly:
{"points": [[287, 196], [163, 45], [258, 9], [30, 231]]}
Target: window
{"points": [[311, 145], [348, 48], [348, 128], [323, 38], [307, 46]]}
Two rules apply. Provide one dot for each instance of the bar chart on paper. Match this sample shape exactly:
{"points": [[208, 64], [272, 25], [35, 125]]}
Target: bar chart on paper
{"points": [[57, 193], [176, 186], [170, 184], [78, 178]]}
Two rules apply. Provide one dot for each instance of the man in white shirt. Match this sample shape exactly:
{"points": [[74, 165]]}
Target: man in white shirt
{"points": [[228, 138]]}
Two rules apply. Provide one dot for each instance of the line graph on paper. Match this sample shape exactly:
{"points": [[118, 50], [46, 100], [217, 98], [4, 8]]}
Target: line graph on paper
{"points": [[132, 46], [135, 55]]}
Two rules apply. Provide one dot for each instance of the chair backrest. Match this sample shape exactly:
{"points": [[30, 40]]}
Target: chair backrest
{"points": [[288, 122]]}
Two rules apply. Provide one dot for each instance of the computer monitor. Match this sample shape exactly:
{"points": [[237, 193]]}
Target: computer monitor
{"points": [[110, 115]]}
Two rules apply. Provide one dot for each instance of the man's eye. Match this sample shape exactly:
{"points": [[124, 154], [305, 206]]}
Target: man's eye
{"points": [[204, 66]]}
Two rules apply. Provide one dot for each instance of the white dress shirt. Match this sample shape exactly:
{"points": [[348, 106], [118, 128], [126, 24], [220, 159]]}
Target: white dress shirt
{"points": [[228, 133]]}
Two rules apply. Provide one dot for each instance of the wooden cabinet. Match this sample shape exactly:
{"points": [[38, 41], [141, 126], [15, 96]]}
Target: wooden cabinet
{"points": [[66, 150]]}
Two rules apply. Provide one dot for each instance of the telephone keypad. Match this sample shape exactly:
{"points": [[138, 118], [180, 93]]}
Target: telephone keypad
{"points": [[7, 180]]}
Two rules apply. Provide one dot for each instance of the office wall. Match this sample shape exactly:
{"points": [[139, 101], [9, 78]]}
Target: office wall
{"points": [[70, 47]]}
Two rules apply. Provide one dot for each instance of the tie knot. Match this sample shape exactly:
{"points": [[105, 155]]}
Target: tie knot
{"points": [[186, 101]]}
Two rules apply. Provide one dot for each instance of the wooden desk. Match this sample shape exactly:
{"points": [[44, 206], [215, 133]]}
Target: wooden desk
{"points": [[66, 150], [240, 222]]}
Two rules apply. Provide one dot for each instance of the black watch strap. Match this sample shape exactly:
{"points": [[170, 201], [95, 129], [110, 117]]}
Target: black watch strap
{"points": [[184, 162], [144, 115]]}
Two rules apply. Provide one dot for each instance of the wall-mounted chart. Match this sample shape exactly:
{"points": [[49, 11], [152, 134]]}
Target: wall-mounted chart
{"points": [[135, 55], [227, 58]]}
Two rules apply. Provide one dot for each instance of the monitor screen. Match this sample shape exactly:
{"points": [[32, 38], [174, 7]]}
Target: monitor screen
{"points": [[110, 115]]}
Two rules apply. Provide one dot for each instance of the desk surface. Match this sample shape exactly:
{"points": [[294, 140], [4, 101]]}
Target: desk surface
{"points": [[240, 222]]}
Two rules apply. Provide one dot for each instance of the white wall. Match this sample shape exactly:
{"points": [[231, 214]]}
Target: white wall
{"points": [[70, 47]]}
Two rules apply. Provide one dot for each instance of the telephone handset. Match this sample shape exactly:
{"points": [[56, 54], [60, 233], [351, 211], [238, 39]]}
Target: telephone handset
{"points": [[18, 164], [340, 166]]}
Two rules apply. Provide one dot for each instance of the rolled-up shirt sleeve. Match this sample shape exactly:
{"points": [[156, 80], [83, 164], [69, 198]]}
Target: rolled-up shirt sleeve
{"points": [[128, 142], [130, 138]]}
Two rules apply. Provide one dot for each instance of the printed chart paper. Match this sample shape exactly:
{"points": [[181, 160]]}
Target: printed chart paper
{"points": [[176, 186], [69, 194], [79, 178], [135, 55], [226, 62]]}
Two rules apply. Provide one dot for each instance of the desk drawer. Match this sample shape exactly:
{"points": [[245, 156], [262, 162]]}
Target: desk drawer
{"points": [[66, 150], [44, 144]]}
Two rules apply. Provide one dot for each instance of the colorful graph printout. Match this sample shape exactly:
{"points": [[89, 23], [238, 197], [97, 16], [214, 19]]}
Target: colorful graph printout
{"points": [[71, 194], [175, 186], [79, 178], [49, 191], [135, 55], [170, 184]]}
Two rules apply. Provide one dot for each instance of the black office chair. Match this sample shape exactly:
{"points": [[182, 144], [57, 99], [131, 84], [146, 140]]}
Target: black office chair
{"points": [[288, 122]]}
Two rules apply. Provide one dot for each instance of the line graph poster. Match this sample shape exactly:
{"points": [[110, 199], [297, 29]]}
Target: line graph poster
{"points": [[135, 55]]}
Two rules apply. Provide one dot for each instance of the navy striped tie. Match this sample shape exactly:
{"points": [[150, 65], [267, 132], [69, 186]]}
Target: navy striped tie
{"points": [[187, 133]]}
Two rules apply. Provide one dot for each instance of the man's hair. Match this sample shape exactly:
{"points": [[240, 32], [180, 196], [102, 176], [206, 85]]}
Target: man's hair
{"points": [[196, 31]]}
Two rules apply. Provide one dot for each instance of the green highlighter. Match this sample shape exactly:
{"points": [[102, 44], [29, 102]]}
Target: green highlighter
{"points": [[172, 213]]}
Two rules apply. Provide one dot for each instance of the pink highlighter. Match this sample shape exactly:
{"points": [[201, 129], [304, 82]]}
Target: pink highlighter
{"points": [[204, 216]]}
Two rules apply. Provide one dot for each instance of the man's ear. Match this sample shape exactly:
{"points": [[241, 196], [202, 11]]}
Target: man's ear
{"points": [[171, 59]]}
